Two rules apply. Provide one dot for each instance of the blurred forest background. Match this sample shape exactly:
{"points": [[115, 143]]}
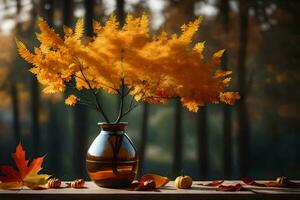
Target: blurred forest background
{"points": [[258, 137]]}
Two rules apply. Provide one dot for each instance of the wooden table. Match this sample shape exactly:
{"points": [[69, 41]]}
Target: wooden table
{"points": [[167, 193]]}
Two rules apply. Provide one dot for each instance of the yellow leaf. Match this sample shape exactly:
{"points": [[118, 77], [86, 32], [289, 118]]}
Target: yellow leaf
{"points": [[24, 52], [199, 47], [218, 54], [67, 31], [97, 27], [34, 179], [71, 100], [79, 28], [49, 90], [229, 97], [48, 35], [34, 70], [10, 185]]}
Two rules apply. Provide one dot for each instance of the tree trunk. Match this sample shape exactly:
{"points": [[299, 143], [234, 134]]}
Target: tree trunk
{"points": [[80, 140], [16, 113], [202, 143], [35, 103], [89, 15], [144, 134], [243, 124], [121, 11], [67, 12], [177, 156], [80, 112], [227, 129], [54, 139], [14, 91]]}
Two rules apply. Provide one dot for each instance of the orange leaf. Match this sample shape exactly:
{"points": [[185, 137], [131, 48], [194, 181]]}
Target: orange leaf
{"points": [[230, 188], [280, 182], [249, 181], [21, 161], [144, 186], [159, 181], [213, 183], [26, 175]]}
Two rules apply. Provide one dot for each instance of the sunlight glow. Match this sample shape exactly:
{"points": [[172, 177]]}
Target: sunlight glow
{"points": [[205, 9], [109, 6], [157, 7]]}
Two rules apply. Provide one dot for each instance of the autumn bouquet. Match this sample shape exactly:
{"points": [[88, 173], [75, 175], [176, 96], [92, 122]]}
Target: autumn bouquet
{"points": [[127, 61]]}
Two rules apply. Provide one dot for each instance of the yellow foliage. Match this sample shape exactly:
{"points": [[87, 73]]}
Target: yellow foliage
{"points": [[71, 100], [229, 97], [23, 51], [156, 68], [79, 28]]}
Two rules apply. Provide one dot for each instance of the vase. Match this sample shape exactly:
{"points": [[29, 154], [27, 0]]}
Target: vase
{"points": [[112, 160]]}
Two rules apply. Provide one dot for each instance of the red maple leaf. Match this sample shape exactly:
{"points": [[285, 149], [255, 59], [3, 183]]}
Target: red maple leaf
{"points": [[26, 175]]}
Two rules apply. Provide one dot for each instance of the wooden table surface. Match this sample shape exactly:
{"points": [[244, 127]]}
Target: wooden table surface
{"points": [[167, 193]]}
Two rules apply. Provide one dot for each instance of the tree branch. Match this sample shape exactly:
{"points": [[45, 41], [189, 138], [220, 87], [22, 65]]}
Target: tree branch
{"points": [[122, 96], [99, 108]]}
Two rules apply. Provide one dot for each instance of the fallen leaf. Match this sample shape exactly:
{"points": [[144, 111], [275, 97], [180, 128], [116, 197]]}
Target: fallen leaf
{"points": [[145, 186], [159, 181], [250, 181], [230, 188], [212, 184], [273, 184], [283, 182], [26, 175], [280, 182]]}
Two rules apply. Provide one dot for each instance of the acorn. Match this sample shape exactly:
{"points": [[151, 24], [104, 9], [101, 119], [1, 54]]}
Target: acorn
{"points": [[78, 183], [183, 182], [53, 183], [282, 180]]}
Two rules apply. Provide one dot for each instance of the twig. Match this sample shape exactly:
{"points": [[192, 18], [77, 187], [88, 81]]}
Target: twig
{"points": [[121, 102], [86, 104], [133, 107], [99, 108]]}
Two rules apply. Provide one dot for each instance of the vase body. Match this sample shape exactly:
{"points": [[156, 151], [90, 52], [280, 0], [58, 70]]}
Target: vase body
{"points": [[112, 160]]}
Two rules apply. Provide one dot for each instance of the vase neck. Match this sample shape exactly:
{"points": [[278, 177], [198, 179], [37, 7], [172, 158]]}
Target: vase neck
{"points": [[113, 127]]}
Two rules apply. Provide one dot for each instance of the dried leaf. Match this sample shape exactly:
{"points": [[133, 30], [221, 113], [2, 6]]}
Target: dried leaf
{"points": [[213, 183], [231, 188], [249, 181], [145, 186], [273, 184], [26, 175], [280, 182], [159, 181], [149, 182]]}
